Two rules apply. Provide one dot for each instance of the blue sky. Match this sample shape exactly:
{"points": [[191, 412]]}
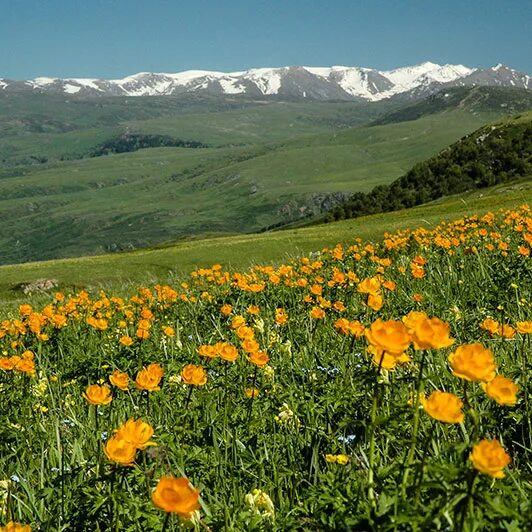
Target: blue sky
{"points": [[114, 38]]}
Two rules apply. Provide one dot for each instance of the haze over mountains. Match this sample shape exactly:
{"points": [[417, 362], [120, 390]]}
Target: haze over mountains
{"points": [[293, 82]]}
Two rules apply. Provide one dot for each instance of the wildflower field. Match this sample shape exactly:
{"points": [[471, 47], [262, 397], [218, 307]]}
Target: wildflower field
{"points": [[377, 386]]}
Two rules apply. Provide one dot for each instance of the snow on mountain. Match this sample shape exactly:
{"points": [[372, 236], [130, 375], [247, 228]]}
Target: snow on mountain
{"points": [[322, 83]]}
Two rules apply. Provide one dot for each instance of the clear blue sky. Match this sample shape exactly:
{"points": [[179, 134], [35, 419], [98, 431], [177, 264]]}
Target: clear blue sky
{"points": [[114, 38]]}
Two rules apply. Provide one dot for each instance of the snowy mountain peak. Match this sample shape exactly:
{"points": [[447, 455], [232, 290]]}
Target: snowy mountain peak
{"points": [[320, 83]]}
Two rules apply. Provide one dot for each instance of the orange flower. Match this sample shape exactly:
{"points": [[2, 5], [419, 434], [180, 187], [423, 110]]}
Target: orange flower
{"points": [[370, 285], [490, 458], [390, 336], [176, 495], [444, 407], [492, 326], [15, 527], [126, 340], [317, 313], [119, 379], [473, 362], [138, 433], [237, 322], [244, 332], [250, 345], [149, 378], [169, 331], [502, 390], [431, 333], [226, 309], [524, 327], [227, 351], [253, 309], [208, 351], [193, 374], [259, 358], [375, 302], [385, 360], [120, 451], [98, 395], [280, 316]]}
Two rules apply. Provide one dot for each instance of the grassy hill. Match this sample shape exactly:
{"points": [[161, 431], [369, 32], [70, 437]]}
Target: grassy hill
{"points": [[124, 271], [496, 153], [268, 163]]}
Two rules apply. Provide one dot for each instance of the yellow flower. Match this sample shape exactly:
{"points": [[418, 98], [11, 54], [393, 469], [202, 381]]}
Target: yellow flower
{"points": [[149, 378], [371, 285], [444, 407], [138, 433], [260, 503], [195, 375], [317, 313], [176, 495], [119, 450], [473, 362], [98, 395], [490, 458], [502, 390], [524, 327], [431, 333], [390, 336], [259, 358], [15, 527], [119, 379]]}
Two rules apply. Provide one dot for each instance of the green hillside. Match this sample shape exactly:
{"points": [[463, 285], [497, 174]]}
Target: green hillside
{"points": [[268, 163], [496, 153], [125, 271]]}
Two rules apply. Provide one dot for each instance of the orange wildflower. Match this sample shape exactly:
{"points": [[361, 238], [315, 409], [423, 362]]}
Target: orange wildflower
{"points": [[176, 495]]}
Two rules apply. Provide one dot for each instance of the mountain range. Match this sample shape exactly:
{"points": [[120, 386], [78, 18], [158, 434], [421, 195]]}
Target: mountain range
{"points": [[291, 82]]}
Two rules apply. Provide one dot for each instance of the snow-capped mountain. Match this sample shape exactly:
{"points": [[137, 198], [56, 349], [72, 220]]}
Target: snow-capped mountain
{"points": [[317, 83]]}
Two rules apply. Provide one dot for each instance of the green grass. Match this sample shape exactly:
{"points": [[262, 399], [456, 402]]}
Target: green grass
{"points": [[138, 199], [339, 430], [124, 271]]}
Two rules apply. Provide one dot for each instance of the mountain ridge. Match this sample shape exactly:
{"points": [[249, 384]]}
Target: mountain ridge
{"points": [[300, 82]]}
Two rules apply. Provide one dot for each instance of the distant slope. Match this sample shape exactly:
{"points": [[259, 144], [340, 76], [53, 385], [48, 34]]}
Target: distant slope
{"points": [[132, 200], [494, 154], [299, 160], [476, 100], [124, 272]]}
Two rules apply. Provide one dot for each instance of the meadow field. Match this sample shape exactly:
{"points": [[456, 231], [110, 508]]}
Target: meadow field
{"points": [[381, 383]]}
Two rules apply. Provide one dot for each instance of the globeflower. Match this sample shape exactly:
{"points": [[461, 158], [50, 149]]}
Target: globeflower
{"points": [[136, 432], [490, 458], [473, 362], [98, 395], [119, 450], [431, 333], [524, 327], [502, 390], [15, 527], [195, 375], [176, 495], [149, 378], [390, 336], [443, 406], [119, 379]]}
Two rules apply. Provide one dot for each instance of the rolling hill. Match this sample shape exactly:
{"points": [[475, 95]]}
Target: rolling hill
{"points": [[125, 272], [267, 163]]}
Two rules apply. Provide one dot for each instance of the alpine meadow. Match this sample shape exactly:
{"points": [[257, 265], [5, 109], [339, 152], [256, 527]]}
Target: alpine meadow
{"points": [[288, 298]]}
